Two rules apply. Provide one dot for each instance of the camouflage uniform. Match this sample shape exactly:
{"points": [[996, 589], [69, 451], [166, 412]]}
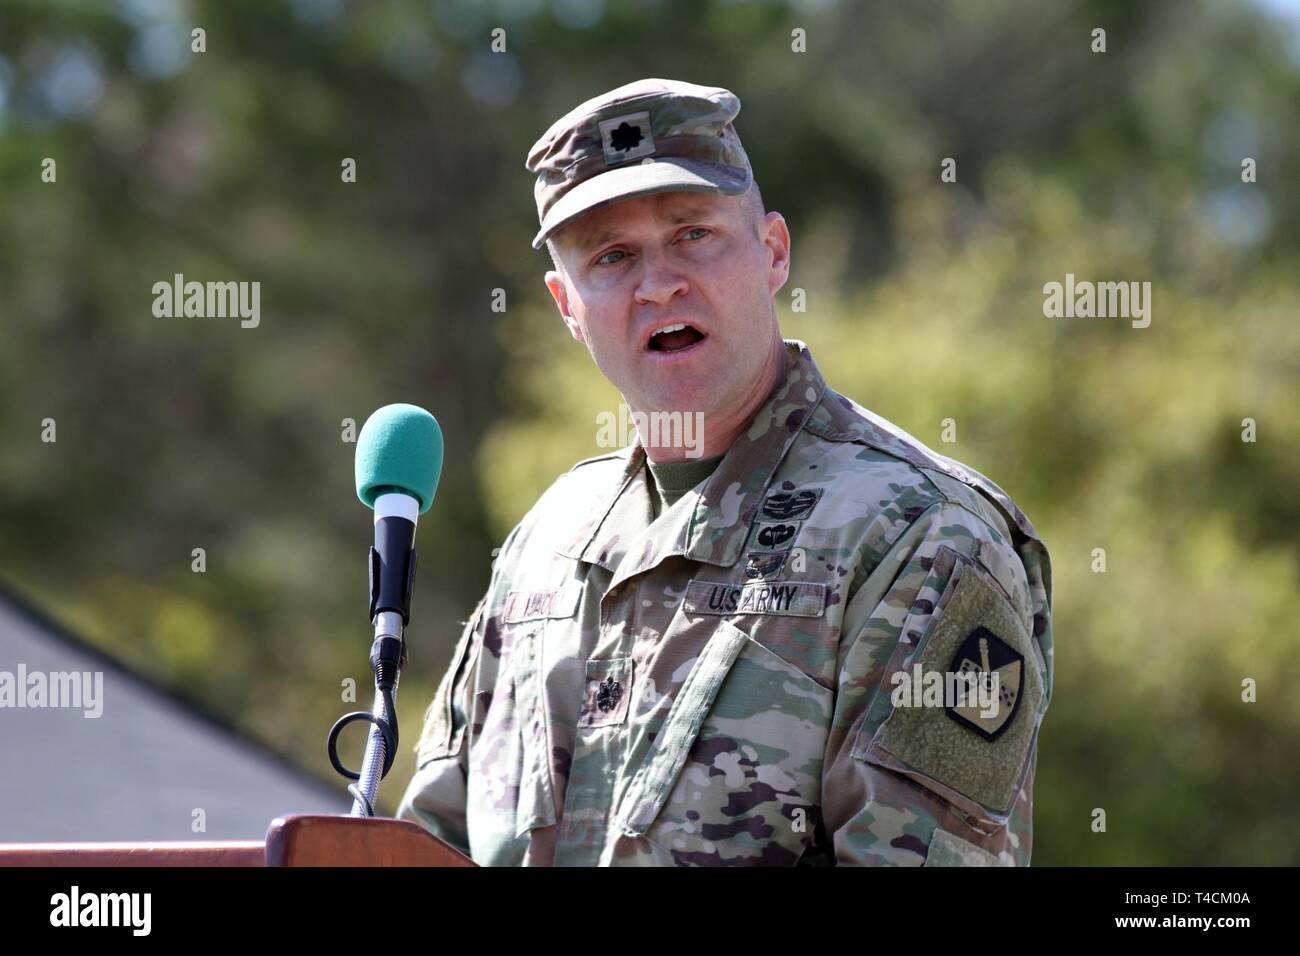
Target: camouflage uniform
{"points": [[714, 687]]}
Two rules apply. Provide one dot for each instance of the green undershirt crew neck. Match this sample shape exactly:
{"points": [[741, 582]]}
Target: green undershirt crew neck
{"points": [[669, 480]]}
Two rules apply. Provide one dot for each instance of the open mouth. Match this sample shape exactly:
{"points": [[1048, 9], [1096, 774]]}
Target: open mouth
{"points": [[675, 338]]}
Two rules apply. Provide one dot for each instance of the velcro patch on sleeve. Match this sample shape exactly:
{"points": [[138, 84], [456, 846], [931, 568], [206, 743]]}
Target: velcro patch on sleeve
{"points": [[967, 722], [948, 849]]}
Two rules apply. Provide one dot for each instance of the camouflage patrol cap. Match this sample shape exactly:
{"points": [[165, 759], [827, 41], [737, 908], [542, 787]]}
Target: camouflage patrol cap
{"points": [[645, 137]]}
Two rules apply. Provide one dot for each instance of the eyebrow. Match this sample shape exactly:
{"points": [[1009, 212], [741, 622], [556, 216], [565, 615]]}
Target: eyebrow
{"points": [[682, 215]]}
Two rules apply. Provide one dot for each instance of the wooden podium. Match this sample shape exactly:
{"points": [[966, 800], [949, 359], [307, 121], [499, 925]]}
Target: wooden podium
{"points": [[295, 840]]}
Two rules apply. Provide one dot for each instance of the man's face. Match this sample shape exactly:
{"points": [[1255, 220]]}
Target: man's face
{"points": [[672, 294]]}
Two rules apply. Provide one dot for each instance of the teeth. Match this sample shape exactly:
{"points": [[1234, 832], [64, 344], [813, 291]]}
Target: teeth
{"points": [[670, 328]]}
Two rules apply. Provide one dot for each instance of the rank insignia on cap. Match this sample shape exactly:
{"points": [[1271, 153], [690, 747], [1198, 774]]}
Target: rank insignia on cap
{"points": [[983, 654], [626, 137]]}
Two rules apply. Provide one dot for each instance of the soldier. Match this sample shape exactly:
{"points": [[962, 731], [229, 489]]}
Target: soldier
{"points": [[695, 656]]}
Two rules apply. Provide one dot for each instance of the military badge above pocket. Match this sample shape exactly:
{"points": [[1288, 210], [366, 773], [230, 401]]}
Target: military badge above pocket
{"points": [[788, 505]]}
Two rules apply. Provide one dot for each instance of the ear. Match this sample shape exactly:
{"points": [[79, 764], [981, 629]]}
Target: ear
{"points": [[560, 293], [776, 238]]}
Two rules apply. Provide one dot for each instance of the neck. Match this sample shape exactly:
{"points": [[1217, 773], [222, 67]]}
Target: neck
{"points": [[717, 430]]}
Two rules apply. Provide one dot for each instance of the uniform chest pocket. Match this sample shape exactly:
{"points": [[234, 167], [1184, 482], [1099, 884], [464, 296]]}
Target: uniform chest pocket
{"points": [[443, 734], [733, 777], [515, 745]]}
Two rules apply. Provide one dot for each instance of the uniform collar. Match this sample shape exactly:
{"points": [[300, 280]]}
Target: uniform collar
{"points": [[710, 527]]}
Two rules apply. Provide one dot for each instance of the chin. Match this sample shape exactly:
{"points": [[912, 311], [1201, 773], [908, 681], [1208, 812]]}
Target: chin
{"points": [[692, 396]]}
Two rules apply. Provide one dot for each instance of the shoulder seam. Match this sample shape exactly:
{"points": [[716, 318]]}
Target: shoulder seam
{"points": [[596, 458], [935, 461], [1001, 533], [941, 502], [921, 472]]}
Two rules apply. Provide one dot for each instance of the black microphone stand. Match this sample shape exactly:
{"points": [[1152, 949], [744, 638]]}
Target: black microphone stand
{"points": [[392, 578]]}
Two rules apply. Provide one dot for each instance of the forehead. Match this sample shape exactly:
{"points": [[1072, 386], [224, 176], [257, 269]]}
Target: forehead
{"points": [[673, 207]]}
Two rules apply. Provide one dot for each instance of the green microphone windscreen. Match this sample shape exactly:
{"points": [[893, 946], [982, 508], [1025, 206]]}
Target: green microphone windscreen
{"points": [[399, 449]]}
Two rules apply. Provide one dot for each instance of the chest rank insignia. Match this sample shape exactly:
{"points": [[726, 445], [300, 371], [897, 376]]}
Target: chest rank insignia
{"points": [[992, 673], [608, 694], [787, 505]]}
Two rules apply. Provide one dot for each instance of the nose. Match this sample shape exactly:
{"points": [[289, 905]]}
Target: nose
{"points": [[659, 281]]}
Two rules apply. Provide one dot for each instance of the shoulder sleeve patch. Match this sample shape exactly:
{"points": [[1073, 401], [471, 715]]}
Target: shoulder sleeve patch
{"points": [[970, 714]]}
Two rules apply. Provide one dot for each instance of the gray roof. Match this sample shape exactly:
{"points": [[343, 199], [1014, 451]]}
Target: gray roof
{"points": [[139, 770]]}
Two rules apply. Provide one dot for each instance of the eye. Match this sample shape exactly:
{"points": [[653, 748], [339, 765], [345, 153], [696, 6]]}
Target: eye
{"points": [[696, 229], [602, 260]]}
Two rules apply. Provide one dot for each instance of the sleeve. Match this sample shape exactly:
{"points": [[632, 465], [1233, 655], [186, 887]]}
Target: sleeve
{"points": [[943, 679], [436, 796]]}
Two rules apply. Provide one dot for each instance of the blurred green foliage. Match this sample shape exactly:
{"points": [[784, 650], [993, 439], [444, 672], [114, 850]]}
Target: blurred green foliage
{"points": [[924, 303]]}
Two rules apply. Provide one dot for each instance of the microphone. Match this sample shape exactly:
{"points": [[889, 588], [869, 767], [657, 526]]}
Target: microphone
{"points": [[398, 464]]}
